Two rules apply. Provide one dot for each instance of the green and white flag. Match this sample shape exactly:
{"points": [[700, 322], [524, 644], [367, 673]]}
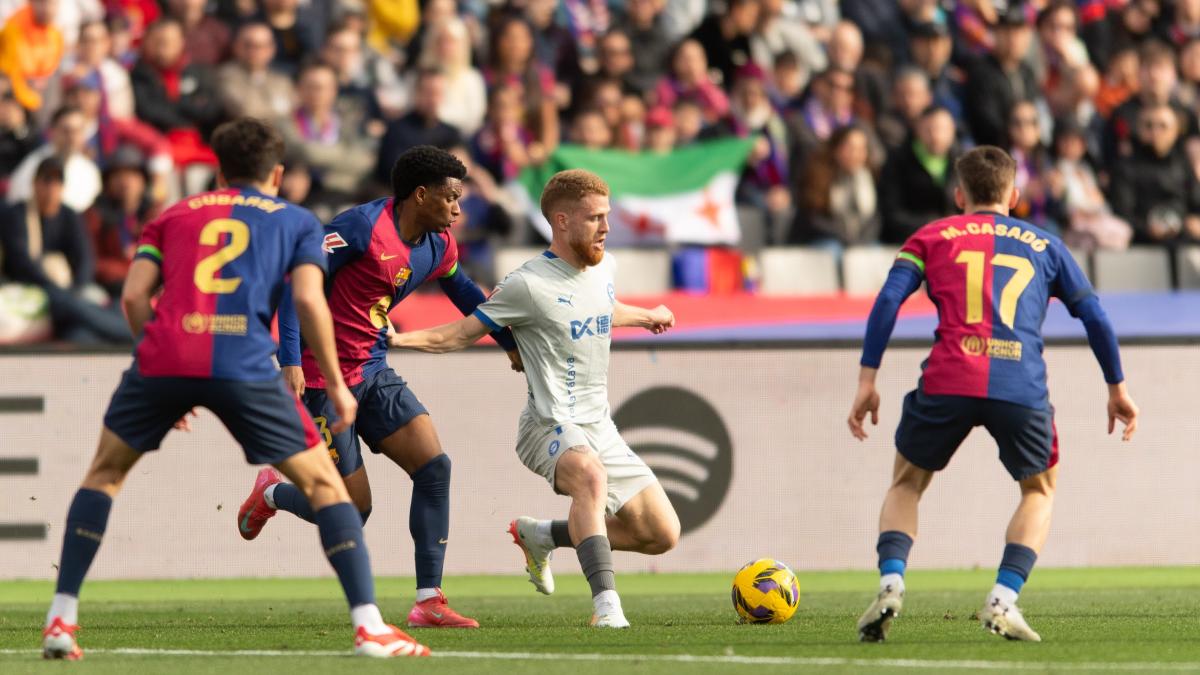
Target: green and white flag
{"points": [[681, 197]]}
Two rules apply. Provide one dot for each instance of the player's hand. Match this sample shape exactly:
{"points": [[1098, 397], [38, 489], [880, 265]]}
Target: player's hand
{"points": [[514, 358], [661, 319], [1121, 407], [865, 401], [293, 376], [184, 424], [344, 405]]}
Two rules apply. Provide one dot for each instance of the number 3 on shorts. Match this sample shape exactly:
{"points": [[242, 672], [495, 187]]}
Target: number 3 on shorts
{"points": [[323, 425]]}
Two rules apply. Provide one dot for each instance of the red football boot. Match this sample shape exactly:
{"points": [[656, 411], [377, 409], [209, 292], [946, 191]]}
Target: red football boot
{"points": [[255, 513], [395, 642], [435, 613], [58, 641]]}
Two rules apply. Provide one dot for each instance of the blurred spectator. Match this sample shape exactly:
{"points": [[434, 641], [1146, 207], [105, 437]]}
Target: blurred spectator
{"points": [[689, 121], [298, 31], [337, 151], [1132, 26], [123, 49], [465, 103], [138, 15], [176, 97], [1061, 52], [422, 126], [1000, 79], [45, 245], [789, 78], [911, 96], [660, 130], [643, 23], [511, 62], [1189, 75], [680, 17], [368, 86], [1090, 223], [68, 140], [630, 131], [392, 22], [247, 85], [931, 46], [503, 145], [764, 181], [69, 16], [18, 138], [296, 183], [615, 58], [92, 58], [1156, 190], [1120, 82], [779, 33], [870, 78], [605, 95], [1185, 23], [590, 129], [115, 221], [1157, 78], [689, 79], [31, 47], [554, 45], [839, 206], [917, 185], [207, 38], [1039, 185], [484, 222], [828, 106], [725, 37], [431, 14]]}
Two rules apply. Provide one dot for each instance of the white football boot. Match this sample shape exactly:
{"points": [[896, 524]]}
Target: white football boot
{"points": [[538, 550], [607, 611], [1004, 619], [873, 625]]}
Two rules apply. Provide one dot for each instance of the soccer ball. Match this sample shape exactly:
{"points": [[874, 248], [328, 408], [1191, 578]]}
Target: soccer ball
{"points": [[765, 591]]}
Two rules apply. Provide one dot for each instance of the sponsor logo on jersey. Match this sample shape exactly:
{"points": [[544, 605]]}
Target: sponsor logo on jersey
{"points": [[333, 240], [566, 301], [978, 345], [602, 326]]}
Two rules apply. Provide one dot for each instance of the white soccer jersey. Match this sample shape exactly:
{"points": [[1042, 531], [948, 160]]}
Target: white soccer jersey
{"points": [[562, 320]]}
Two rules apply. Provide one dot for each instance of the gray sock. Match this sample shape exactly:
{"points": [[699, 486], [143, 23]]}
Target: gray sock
{"points": [[595, 557], [561, 534]]}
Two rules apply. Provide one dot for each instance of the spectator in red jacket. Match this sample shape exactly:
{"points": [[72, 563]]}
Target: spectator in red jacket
{"points": [[115, 221]]}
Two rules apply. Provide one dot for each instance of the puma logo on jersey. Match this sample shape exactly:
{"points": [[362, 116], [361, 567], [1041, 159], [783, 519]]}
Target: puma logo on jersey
{"points": [[566, 301]]}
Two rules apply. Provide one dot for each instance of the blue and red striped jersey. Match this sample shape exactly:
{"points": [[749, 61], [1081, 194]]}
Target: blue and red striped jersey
{"points": [[223, 257]]}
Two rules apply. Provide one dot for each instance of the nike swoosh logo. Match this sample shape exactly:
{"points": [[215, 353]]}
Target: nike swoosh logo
{"points": [[244, 526], [443, 541], [436, 614], [384, 256]]}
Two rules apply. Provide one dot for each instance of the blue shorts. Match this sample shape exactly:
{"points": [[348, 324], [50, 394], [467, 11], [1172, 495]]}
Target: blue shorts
{"points": [[385, 404], [932, 427], [264, 417]]}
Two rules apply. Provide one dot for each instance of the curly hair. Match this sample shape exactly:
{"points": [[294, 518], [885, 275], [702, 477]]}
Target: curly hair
{"points": [[424, 165]]}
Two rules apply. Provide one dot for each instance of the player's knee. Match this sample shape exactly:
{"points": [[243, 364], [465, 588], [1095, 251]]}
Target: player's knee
{"points": [[434, 472], [664, 537]]}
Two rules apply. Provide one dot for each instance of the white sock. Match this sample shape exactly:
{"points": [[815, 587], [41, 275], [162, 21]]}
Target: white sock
{"points": [[606, 601], [1005, 594], [894, 580], [424, 594], [368, 616], [269, 496], [64, 606]]}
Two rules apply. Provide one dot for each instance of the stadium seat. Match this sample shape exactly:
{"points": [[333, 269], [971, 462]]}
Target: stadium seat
{"points": [[795, 270], [642, 271], [755, 228], [865, 268], [1188, 263], [509, 259], [1141, 268]]}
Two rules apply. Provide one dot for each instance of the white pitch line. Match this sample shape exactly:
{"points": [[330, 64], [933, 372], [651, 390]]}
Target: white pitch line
{"points": [[681, 658]]}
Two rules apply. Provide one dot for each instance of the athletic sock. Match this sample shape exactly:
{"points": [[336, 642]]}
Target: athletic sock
{"points": [[288, 497], [561, 534], [342, 538], [64, 606], [424, 594], [269, 495], [87, 519], [429, 519], [595, 557], [1015, 567], [367, 616], [893, 547]]}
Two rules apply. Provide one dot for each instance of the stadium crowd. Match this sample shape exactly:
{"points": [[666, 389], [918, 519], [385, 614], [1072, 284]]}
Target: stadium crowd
{"points": [[858, 108]]}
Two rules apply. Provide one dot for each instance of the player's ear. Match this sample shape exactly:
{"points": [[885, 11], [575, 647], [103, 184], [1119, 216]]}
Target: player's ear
{"points": [[419, 194], [1014, 198], [221, 182], [275, 180], [960, 198]]}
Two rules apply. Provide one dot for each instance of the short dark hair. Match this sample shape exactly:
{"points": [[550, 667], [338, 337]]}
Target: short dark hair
{"points": [[986, 174], [247, 149], [51, 168], [424, 165], [63, 112]]}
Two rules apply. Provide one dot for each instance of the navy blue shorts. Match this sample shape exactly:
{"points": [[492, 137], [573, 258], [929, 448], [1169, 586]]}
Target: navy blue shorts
{"points": [[264, 417], [932, 427], [385, 404]]}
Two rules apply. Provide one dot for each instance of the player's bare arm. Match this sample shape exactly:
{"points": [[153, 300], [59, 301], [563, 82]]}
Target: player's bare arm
{"points": [[866, 400], [657, 320], [308, 293], [450, 337], [143, 280]]}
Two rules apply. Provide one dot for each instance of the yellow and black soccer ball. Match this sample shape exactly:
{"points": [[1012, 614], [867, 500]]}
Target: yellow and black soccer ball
{"points": [[765, 591]]}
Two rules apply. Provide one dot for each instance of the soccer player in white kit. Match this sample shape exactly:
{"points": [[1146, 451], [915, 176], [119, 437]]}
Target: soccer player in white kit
{"points": [[562, 309]]}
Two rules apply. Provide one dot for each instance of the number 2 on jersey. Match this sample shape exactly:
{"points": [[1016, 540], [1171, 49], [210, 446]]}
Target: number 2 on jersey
{"points": [[1022, 275], [207, 270]]}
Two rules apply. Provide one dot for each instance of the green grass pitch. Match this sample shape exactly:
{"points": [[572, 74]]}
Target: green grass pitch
{"points": [[1119, 620]]}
